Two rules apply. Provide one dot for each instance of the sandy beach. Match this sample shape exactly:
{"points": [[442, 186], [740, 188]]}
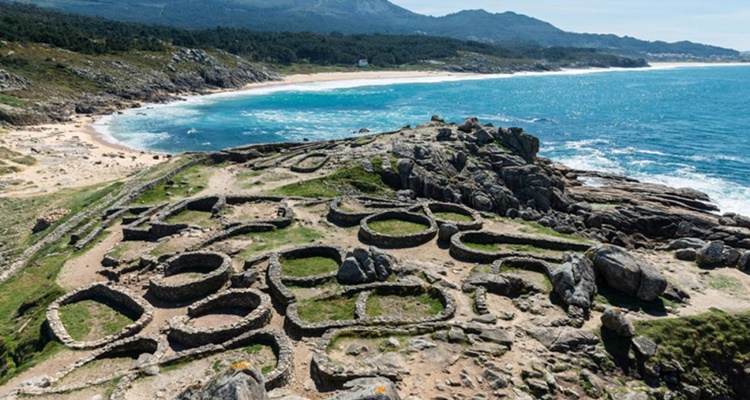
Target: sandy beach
{"points": [[74, 154], [68, 155]]}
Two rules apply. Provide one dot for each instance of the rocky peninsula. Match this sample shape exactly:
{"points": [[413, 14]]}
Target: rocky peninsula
{"points": [[443, 261]]}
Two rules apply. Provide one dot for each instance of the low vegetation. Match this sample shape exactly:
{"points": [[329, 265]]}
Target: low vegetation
{"points": [[330, 309], [294, 235], [727, 284], [346, 180], [192, 217], [714, 344], [421, 306], [452, 216], [309, 266], [187, 183], [92, 320], [396, 227], [25, 297]]}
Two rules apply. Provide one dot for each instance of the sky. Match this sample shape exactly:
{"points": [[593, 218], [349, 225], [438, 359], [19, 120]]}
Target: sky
{"points": [[719, 22]]}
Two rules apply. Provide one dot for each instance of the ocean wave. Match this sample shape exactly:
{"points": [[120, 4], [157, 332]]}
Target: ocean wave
{"points": [[583, 144], [633, 150], [728, 196]]}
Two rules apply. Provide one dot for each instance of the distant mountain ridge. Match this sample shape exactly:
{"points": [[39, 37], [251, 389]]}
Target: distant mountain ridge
{"points": [[369, 16]]}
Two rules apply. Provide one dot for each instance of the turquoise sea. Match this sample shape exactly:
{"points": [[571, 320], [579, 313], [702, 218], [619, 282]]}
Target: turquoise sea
{"points": [[685, 127]]}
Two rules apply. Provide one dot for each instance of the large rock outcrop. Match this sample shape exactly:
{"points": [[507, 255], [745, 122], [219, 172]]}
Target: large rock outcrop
{"points": [[486, 168], [627, 274], [575, 281], [368, 389], [240, 382], [365, 266]]}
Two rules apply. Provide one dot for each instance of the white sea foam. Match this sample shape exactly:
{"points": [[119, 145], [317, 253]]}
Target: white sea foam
{"points": [[728, 196]]}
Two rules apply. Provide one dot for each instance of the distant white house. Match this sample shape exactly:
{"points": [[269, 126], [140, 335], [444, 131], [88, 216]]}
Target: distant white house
{"points": [[363, 63]]}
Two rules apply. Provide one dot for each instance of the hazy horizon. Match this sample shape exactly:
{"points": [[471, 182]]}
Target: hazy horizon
{"points": [[721, 22]]}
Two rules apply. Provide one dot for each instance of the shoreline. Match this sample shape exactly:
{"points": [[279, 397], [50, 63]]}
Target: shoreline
{"points": [[352, 79], [80, 152]]}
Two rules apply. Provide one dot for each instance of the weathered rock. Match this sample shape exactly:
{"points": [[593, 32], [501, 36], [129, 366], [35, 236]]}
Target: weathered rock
{"points": [[563, 340], [710, 255], [628, 274], [691, 392], [444, 134], [686, 254], [499, 336], [368, 389], [593, 384], [469, 125], [446, 232], [456, 335], [616, 321], [351, 273], [575, 281], [744, 263], [45, 221], [495, 379], [730, 257], [686, 243], [147, 364], [41, 381], [645, 347], [365, 266], [244, 279], [239, 382], [484, 137]]}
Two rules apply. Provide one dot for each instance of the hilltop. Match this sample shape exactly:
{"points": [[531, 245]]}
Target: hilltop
{"points": [[445, 260], [375, 16]]}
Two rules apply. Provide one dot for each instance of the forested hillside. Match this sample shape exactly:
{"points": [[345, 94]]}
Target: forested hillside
{"points": [[372, 16]]}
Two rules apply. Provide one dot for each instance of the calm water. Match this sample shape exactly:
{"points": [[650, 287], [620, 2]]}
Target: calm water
{"points": [[686, 127]]}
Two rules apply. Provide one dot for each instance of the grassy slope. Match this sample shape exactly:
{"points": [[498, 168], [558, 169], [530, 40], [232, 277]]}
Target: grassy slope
{"points": [[25, 296]]}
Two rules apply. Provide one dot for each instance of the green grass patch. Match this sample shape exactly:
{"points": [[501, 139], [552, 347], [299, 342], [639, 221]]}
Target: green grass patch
{"points": [[247, 179], [7, 154], [397, 227], [727, 284], [309, 266], [12, 101], [488, 247], [453, 216], [192, 217], [24, 160], [536, 229], [265, 241], [348, 179], [525, 248], [421, 306], [196, 178], [81, 317], [330, 309], [8, 169], [715, 344]]}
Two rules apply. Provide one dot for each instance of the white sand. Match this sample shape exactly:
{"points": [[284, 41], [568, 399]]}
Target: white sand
{"points": [[69, 155]]}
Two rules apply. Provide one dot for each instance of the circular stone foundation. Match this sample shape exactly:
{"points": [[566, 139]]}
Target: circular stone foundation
{"points": [[396, 229], [112, 294], [485, 247], [211, 270], [463, 217], [251, 306]]}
